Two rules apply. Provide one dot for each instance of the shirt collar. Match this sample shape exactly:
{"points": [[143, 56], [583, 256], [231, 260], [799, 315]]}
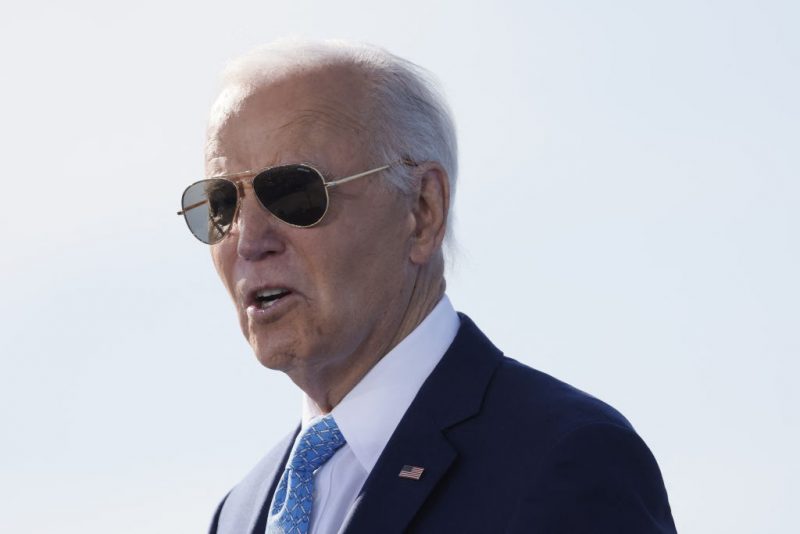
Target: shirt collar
{"points": [[368, 415]]}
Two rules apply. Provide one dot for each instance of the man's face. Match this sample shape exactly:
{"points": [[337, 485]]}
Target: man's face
{"points": [[349, 277]]}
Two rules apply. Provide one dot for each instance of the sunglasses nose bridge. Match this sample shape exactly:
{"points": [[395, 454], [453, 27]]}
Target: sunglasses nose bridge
{"points": [[247, 190], [242, 187], [251, 212], [257, 232]]}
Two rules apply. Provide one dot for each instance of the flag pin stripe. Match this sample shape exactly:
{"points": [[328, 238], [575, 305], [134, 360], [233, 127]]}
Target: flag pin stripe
{"points": [[411, 471]]}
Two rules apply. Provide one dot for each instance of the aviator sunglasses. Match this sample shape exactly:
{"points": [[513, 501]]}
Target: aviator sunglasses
{"points": [[296, 194]]}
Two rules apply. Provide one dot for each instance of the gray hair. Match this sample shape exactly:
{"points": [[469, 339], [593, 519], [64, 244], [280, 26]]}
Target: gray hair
{"points": [[411, 117]]}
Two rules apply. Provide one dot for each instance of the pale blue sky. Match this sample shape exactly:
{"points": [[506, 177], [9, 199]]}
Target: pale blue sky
{"points": [[627, 220]]}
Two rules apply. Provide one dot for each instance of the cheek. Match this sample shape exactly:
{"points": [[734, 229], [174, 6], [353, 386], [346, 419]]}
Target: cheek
{"points": [[223, 255], [359, 261], [367, 267]]}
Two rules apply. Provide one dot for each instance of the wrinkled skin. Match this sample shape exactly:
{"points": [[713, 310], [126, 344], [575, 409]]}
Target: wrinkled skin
{"points": [[364, 277]]}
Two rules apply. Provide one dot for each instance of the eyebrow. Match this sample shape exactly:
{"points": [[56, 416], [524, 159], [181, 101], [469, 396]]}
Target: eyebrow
{"points": [[241, 175]]}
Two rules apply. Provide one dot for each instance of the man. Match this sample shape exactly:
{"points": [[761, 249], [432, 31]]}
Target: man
{"points": [[332, 170]]}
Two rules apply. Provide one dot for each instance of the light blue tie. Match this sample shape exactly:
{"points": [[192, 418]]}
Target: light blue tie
{"points": [[294, 497]]}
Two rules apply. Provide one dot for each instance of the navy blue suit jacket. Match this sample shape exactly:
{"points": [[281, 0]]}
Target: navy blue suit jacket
{"points": [[505, 448]]}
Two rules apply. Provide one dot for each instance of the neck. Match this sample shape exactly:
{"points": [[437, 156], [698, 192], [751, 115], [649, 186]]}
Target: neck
{"points": [[330, 385]]}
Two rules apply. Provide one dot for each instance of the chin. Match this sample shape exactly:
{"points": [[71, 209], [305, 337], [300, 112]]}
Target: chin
{"points": [[276, 362], [272, 364], [273, 356]]}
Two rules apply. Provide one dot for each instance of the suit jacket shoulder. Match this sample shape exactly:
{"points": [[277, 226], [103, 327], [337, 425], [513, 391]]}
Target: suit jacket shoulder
{"points": [[507, 448], [581, 466], [544, 407]]}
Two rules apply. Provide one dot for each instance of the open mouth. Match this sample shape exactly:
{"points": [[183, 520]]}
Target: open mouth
{"points": [[268, 297]]}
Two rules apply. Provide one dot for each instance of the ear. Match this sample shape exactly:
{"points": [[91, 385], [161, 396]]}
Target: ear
{"points": [[431, 205]]}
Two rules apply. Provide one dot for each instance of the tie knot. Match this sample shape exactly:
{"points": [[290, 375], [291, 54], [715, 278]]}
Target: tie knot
{"points": [[316, 446]]}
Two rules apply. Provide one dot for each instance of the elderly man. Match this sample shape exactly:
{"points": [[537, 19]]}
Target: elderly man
{"points": [[331, 172]]}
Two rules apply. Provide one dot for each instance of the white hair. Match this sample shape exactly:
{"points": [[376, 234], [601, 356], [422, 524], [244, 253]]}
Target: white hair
{"points": [[410, 118]]}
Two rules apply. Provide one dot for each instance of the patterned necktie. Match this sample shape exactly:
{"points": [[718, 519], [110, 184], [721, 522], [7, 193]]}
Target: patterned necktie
{"points": [[291, 506]]}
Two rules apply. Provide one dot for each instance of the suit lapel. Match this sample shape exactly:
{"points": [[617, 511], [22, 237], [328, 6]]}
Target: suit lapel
{"points": [[452, 393], [263, 498], [387, 502], [246, 507], [243, 508]]}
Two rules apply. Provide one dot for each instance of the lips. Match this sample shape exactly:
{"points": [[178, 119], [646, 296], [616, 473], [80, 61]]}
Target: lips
{"points": [[266, 302]]}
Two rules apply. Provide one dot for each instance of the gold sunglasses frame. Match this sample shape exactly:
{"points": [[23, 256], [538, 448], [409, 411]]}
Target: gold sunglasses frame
{"points": [[240, 187]]}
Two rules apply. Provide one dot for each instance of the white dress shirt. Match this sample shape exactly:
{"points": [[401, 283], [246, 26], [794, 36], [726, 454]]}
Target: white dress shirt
{"points": [[368, 415]]}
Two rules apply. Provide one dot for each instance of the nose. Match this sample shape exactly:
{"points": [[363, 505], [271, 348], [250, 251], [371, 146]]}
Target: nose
{"points": [[258, 230]]}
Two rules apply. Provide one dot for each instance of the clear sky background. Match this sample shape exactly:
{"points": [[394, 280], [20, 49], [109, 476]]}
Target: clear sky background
{"points": [[627, 218]]}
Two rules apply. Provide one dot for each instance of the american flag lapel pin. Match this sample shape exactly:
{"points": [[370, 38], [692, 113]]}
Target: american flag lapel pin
{"points": [[411, 471]]}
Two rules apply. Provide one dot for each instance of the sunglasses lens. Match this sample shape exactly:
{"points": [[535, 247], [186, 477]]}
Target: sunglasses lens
{"points": [[209, 207], [293, 193]]}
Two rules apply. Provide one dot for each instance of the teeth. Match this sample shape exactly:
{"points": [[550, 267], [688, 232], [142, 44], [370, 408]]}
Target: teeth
{"points": [[267, 297], [266, 293]]}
